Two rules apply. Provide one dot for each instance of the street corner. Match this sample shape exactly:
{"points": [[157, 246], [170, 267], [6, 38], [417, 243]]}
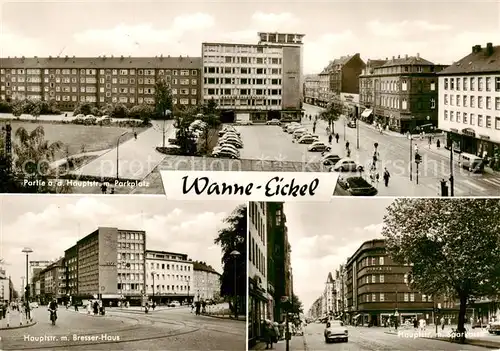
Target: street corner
{"points": [[18, 326]]}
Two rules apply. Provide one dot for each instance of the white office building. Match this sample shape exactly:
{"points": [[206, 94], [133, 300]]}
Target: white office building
{"points": [[469, 103], [169, 277], [255, 82]]}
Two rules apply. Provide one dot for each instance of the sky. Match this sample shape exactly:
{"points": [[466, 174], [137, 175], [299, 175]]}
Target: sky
{"points": [[324, 235], [51, 224], [442, 32]]}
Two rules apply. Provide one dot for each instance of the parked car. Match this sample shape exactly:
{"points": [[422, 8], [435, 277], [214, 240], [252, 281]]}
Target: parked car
{"points": [[289, 125], [307, 139], [347, 165], [335, 330], [245, 123], [351, 124], [228, 130], [293, 128], [273, 122], [494, 328], [355, 186], [229, 146], [224, 153], [319, 146], [174, 304], [330, 159], [231, 140], [80, 116], [479, 324], [298, 133]]}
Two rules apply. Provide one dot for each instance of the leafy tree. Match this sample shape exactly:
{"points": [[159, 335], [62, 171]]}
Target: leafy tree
{"points": [[186, 140], [17, 108], [331, 114], [296, 305], [454, 246], [163, 98], [33, 155], [210, 107], [143, 112], [5, 107], [106, 109], [234, 238], [119, 111], [84, 108], [49, 108], [33, 107]]}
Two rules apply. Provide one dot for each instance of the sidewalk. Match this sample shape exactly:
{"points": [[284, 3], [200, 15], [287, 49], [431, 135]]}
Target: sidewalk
{"points": [[15, 320], [296, 343], [137, 157]]}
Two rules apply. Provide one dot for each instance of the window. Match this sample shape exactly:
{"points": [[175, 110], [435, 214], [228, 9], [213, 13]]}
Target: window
{"points": [[488, 121], [381, 297], [472, 101], [488, 83], [424, 298], [479, 84], [464, 117], [374, 297], [488, 102], [433, 86], [497, 103], [497, 83], [452, 84], [193, 102], [194, 72], [446, 99], [406, 297], [381, 260], [472, 83], [465, 84], [497, 123], [446, 84], [458, 83], [465, 99], [472, 119], [480, 120], [404, 104], [452, 100], [381, 278], [373, 279], [412, 297], [458, 117], [404, 85], [480, 102], [452, 116]]}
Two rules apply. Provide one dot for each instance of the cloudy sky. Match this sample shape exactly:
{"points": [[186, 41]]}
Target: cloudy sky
{"points": [[51, 224], [324, 235], [442, 32]]}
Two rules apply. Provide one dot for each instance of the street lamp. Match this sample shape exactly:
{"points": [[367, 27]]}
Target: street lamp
{"points": [[189, 283], [163, 131], [410, 138], [153, 274], [127, 265], [235, 254], [452, 179], [118, 155], [27, 251]]}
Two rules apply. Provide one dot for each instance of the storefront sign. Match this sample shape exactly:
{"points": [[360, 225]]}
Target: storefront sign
{"points": [[469, 132], [379, 269], [352, 98], [484, 137]]}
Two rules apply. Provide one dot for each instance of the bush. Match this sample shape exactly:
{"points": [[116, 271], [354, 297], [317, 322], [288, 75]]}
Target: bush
{"points": [[84, 108], [5, 107], [119, 111]]}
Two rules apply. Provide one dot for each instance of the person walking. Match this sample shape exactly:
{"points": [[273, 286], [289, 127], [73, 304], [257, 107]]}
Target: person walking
{"points": [[347, 145], [387, 175], [348, 152], [438, 143], [330, 139], [442, 323], [89, 307], [337, 137]]}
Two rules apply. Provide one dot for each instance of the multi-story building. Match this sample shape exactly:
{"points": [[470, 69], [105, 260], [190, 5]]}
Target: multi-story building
{"points": [[258, 295], [366, 89], [169, 277], [378, 288], [5, 287], [338, 307], [35, 268], [324, 94], [311, 89], [329, 296], [54, 282], [111, 264], [344, 75], [99, 80], [207, 282], [469, 102], [255, 82], [405, 93], [316, 310], [71, 265]]}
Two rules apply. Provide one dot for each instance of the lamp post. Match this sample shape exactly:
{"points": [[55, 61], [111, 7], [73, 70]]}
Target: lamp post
{"points": [[189, 283], [235, 254], [410, 138], [22, 283], [153, 274], [118, 155], [164, 130], [452, 179], [27, 251], [127, 265], [357, 133]]}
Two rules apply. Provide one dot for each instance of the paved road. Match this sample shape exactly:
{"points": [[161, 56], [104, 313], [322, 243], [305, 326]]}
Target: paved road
{"points": [[174, 329], [270, 143], [137, 158], [374, 339]]}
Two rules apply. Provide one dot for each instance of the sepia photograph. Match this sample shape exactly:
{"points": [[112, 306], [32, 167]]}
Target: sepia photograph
{"points": [[88, 273], [377, 274], [398, 100]]}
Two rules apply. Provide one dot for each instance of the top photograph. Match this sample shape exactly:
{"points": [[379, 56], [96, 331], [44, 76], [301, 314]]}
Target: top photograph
{"points": [[390, 98]]}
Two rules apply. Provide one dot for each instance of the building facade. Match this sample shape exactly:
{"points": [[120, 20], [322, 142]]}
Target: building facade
{"points": [[99, 80], [403, 93], [344, 74], [378, 289], [169, 277], [311, 89], [54, 283], [255, 82], [366, 89], [207, 282], [258, 295], [35, 267], [329, 296], [316, 310], [469, 103]]}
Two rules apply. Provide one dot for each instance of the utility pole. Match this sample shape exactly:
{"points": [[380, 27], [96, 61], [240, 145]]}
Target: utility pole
{"points": [[452, 179]]}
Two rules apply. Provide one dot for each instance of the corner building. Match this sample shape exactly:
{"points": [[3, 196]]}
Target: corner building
{"points": [[256, 82], [378, 288]]}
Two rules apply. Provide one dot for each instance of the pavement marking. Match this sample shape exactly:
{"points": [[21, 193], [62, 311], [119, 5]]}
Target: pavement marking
{"points": [[471, 184], [494, 181]]}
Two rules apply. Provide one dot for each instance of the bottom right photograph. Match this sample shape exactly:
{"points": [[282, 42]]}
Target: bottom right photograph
{"points": [[374, 274]]}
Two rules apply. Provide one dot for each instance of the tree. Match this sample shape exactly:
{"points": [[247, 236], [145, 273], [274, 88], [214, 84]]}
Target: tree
{"points": [[234, 238], [331, 114], [84, 108], [210, 107], [186, 139], [453, 246], [17, 108], [33, 107], [119, 111], [143, 112], [33, 155], [296, 305], [163, 98]]}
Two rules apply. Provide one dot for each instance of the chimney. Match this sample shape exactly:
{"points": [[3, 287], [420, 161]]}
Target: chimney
{"points": [[406, 56], [399, 56], [393, 58], [418, 55], [489, 49], [50, 57], [387, 59]]}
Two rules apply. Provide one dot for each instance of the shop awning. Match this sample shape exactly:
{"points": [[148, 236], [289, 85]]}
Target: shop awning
{"points": [[366, 113], [357, 316]]}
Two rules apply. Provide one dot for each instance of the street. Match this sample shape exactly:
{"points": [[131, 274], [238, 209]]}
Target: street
{"points": [[121, 329], [271, 143], [368, 339]]}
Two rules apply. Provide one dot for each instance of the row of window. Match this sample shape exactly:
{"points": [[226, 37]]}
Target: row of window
{"points": [[207, 48], [380, 297], [122, 72], [168, 266], [130, 256], [242, 70], [165, 288], [130, 276], [244, 60], [122, 81], [471, 83], [243, 81], [470, 119], [470, 101], [248, 102], [217, 91], [168, 276], [131, 236], [404, 69]]}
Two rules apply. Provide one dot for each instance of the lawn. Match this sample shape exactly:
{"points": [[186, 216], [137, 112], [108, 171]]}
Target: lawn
{"points": [[79, 138]]}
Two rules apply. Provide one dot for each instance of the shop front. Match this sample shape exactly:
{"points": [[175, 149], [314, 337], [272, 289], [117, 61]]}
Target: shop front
{"points": [[468, 141], [257, 311]]}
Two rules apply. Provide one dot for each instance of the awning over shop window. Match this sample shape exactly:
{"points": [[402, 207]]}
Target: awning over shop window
{"points": [[366, 113]]}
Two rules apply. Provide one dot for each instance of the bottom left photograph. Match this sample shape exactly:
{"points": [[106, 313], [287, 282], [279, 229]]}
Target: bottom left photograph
{"points": [[108, 273]]}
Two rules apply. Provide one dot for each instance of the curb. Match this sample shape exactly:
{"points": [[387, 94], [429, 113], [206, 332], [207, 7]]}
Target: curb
{"points": [[19, 326], [231, 319], [486, 344]]}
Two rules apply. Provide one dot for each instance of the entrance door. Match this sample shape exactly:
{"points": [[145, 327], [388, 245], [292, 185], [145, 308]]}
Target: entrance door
{"points": [[228, 116]]}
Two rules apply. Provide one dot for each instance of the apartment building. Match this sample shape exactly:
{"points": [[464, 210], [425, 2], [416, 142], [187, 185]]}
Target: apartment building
{"points": [[258, 294], [316, 310], [207, 282], [366, 89], [329, 296], [378, 288], [255, 82], [54, 282], [404, 93], [99, 80], [469, 102], [311, 89], [169, 276]]}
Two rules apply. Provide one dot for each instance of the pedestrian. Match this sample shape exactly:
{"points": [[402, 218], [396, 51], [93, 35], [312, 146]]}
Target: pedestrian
{"points": [[135, 135], [192, 307], [89, 307], [387, 175], [104, 188], [337, 137], [347, 145], [415, 323], [442, 323], [348, 153], [96, 308], [112, 190], [438, 143], [330, 139], [416, 149]]}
